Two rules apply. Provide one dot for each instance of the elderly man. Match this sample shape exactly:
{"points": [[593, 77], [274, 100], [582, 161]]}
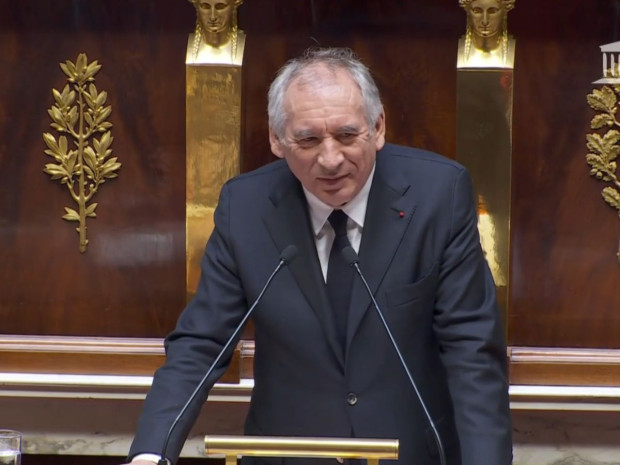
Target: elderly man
{"points": [[324, 365]]}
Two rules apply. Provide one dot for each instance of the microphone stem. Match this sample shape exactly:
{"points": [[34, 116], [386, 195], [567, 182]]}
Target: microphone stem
{"points": [[442, 456], [163, 460]]}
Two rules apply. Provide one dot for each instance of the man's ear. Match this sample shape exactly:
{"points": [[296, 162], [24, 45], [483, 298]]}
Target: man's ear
{"points": [[276, 144], [380, 131]]}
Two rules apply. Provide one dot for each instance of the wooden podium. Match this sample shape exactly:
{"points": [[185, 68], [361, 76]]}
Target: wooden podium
{"points": [[233, 447]]}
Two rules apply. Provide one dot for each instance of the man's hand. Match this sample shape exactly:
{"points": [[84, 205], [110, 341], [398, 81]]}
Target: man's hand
{"points": [[145, 459]]}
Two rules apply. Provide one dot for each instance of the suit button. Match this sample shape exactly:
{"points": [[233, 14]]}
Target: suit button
{"points": [[351, 399]]}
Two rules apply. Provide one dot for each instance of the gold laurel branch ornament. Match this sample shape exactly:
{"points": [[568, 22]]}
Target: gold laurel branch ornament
{"points": [[79, 113], [603, 147]]}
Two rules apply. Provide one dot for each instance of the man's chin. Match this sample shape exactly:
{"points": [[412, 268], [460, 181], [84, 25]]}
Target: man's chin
{"points": [[335, 201]]}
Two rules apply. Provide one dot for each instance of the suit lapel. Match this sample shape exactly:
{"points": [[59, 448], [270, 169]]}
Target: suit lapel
{"points": [[388, 214], [288, 223]]}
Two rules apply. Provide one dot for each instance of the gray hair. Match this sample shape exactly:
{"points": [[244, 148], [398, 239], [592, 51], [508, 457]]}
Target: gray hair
{"points": [[334, 59]]}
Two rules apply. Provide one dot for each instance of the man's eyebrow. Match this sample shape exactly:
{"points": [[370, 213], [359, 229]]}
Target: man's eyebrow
{"points": [[303, 134], [347, 128]]}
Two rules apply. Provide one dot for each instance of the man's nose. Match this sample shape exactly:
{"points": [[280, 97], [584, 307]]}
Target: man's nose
{"points": [[485, 18], [330, 156], [212, 13]]}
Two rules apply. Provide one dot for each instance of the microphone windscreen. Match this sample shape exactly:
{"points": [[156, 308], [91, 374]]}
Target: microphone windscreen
{"points": [[349, 255], [288, 254]]}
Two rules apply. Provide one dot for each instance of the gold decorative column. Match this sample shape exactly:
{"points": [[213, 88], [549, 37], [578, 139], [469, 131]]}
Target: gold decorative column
{"points": [[484, 127], [213, 121]]}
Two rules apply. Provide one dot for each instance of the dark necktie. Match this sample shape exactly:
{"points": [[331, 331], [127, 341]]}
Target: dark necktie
{"points": [[339, 274]]}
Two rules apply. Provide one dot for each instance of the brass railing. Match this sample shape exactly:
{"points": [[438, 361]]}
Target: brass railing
{"points": [[233, 447]]}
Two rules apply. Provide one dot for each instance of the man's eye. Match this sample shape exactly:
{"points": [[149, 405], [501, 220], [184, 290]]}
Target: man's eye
{"points": [[307, 141], [347, 137]]}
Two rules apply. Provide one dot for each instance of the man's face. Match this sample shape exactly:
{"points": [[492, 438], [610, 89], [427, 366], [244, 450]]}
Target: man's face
{"points": [[486, 17], [327, 142], [214, 15]]}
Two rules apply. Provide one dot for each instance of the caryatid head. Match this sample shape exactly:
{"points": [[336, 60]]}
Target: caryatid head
{"points": [[486, 21], [216, 20]]}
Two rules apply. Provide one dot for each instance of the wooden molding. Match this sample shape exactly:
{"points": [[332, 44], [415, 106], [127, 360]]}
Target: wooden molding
{"points": [[89, 355], [564, 366], [538, 366], [142, 356]]}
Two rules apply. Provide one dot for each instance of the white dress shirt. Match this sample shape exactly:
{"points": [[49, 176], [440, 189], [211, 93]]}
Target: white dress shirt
{"points": [[324, 233]]}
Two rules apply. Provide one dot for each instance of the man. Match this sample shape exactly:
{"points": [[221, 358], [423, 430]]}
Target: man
{"points": [[319, 370]]}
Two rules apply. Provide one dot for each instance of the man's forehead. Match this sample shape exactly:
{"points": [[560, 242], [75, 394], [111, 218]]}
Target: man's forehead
{"points": [[307, 89], [320, 75]]}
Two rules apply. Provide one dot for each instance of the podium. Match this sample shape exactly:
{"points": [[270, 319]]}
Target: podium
{"points": [[233, 447]]}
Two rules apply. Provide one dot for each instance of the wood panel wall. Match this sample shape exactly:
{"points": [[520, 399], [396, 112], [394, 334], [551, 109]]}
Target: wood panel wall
{"points": [[130, 282]]}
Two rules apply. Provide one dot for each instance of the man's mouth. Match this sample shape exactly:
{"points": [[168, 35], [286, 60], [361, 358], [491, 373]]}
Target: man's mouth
{"points": [[333, 180]]}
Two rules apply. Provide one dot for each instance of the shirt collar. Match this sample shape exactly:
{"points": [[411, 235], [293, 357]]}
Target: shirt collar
{"points": [[355, 209]]}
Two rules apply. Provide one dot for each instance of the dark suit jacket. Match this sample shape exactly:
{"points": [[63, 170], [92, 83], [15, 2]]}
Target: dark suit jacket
{"points": [[421, 255]]}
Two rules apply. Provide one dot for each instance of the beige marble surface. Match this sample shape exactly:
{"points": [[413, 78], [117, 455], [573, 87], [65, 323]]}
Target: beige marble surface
{"points": [[101, 426], [566, 437]]}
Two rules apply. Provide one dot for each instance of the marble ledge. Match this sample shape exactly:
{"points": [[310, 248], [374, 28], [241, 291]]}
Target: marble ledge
{"points": [[94, 415]]}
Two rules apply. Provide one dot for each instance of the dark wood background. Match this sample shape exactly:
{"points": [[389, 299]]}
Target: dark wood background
{"points": [[565, 276]]}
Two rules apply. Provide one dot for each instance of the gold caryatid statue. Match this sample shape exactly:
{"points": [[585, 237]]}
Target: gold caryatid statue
{"points": [[484, 95], [486, 43], [213, 76], [216, 39]]}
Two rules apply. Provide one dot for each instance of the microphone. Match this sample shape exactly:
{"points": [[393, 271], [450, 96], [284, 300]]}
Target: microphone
{"points": [[287, 255], [351, 257]]}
